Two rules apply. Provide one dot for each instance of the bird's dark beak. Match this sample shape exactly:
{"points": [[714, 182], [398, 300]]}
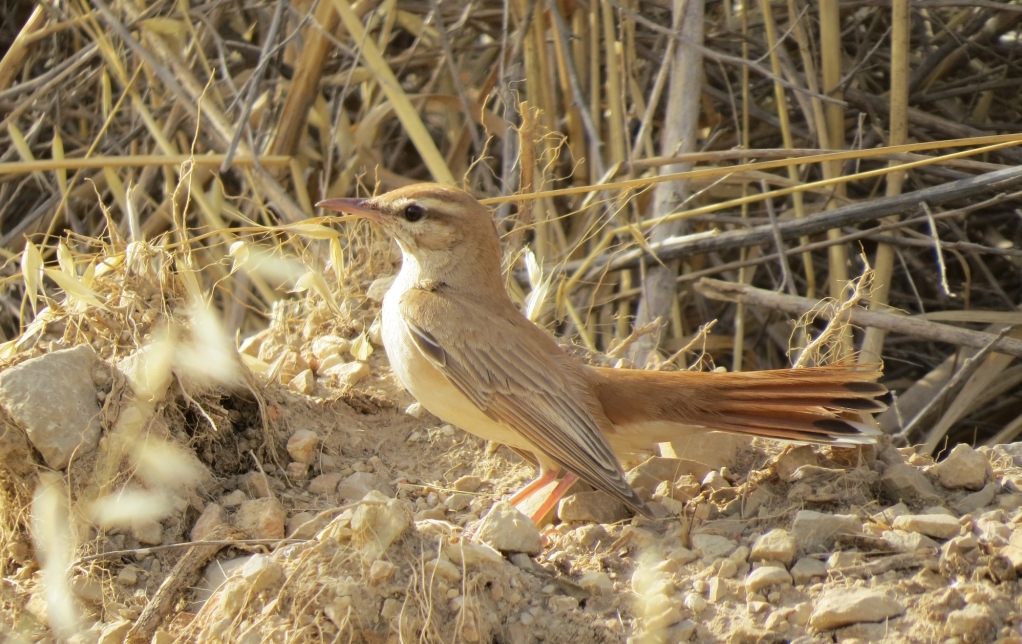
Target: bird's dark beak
{"points": [[354, 208]]}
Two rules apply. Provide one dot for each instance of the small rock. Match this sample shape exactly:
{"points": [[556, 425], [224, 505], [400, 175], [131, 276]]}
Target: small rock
{"points": [[799, 616], [649, 474], [442, 568], [766, 576], [595, 506], [377, 522], [297, 471], [814, 530], [682, 556], [391, 609], [470, 483], [328, 362], [843, 606], [350, 373], [976, 500], [843, 559], [261, 518], [508, 530], [589, 536], [776, 545], [304, 525], [381, 570], [793, 459], [940, 526], [806, 569], [53, 398], [148, 533], [596, 582], [1014, 555], [963, 467], [256, 485], [694, 603], [302, 446], [716, 590], [469, 554], [233, 500], [415, 410], [901, 541], [686, 488], [728, 569], [357, 485], [261, 572], [904, 482], [213, 516], [887, 516], [712, 545], [329, 345], [713, 481], [114, 632], [128, 575], [974, 619], [303, 383], [325, 483], [458, 501]]}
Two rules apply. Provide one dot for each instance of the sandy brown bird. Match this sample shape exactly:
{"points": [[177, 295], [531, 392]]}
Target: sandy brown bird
{"points": [[460, 346]]}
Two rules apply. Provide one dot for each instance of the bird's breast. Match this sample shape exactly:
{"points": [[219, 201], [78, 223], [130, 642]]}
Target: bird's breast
{"points": [[432, 389]]}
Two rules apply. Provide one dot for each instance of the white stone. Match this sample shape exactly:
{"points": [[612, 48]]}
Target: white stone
{"points": [[114, 632], [213, 516], [325, 483], [303, 383], [902, 541], [442, 568], [597, 582], [378, 522], [329, 345], [357, 485], [261, 518], [415, 410], [776, 545], [381, 570], [261, 572], [904, 482], [349, 373], [695, 603], [973, 620], [806, 569], [473, 554], [940, 526], [814, 530], [508, 530], [963, 467], [842, 606], [712, 545], [766, 576], [302, 446], [53, 398]]}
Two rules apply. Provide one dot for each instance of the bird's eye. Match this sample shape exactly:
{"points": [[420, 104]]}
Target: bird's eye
{"points": [[414, 212]]}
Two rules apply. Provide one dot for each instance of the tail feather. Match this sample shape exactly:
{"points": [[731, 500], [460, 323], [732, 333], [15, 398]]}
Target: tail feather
{"points": [[818, 405]]}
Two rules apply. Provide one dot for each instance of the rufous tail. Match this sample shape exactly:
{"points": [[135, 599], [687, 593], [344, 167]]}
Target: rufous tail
{"points": [[817, 405]]}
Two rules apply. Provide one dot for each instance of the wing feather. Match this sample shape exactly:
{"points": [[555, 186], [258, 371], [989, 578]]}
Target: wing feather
{"points": [[518, 376]]}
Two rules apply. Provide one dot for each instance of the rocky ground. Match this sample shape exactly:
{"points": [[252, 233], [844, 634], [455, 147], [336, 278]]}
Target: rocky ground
{"points": [[335, 509]]}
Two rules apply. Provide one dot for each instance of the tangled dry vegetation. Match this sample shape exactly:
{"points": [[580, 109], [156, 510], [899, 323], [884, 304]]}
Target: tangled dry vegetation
{"points": [[250, 471]]}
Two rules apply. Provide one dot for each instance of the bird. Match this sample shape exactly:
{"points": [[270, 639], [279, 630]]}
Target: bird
{"points": [[463, 349]]}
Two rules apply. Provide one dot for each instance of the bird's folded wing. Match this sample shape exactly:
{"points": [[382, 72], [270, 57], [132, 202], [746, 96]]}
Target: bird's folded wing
{"points": [[516, 376]]}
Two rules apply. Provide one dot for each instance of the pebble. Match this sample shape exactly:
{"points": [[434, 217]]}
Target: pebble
{"points": [[976, 500], [349, 373], [776, 545], [114, 632], [470, 483], [597, 583], [469, 554], [728, 569], [303, 383], [443, 568], [904, 482], [381, 570], [329, 345], [213, 516], [595, 507], [234, 499], [589, 536], [458, 501], [304, 525], [261, 572], [843, 559], [974, 619], [302, 446], [842, 606], [297, 471], [940, 526], [508, 530], [712, 545], [391, 609], [714, 481], [377, 523], [650, 473], [255, 484], [794, 458], [261, 518], [901, 541], [682, 556], [148, 533], [359, 484], [964, 467], [806, 569], [128, 575], [815, 530], [58, 426], [415, 410], [766, 577], [695, 603], [325, 483]]}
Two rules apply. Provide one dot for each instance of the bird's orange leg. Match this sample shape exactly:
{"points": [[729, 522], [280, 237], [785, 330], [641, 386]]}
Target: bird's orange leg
{"points": [[554, 497], [545, 476]]}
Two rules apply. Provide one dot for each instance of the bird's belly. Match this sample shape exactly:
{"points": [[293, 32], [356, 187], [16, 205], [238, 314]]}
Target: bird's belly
{"points": [[432, 389]]}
